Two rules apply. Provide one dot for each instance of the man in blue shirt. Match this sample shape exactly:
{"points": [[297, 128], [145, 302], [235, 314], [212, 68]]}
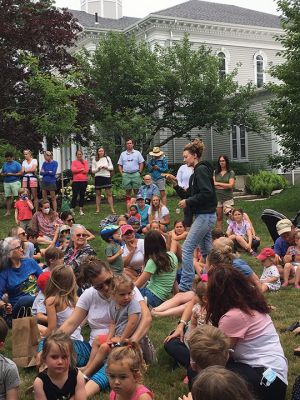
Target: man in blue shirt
{"points": [[148, 190], [286, 232], [11, 171], [131, 164]]}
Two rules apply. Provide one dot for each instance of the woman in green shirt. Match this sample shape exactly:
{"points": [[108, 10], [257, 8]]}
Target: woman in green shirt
{"points": [[224, 180], [160, 270]]}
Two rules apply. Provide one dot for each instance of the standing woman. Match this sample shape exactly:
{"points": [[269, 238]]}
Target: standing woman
{"points": [[48, 183], [201, 200], [80, 170], [102, 168], [30, 179], [224, 180]]}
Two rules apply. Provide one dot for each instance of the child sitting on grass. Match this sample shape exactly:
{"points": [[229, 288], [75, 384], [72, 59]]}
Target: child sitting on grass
{"points": [[125, 314], [208, 346], [32, 237], [270, 278], [290, 268], [216, 382], [9, 375], [111, 234]]}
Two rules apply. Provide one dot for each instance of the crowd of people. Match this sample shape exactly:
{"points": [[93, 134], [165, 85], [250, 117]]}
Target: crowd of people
{"points": [[225, 338]]}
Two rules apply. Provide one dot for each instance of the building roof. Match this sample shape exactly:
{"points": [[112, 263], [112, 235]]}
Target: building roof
{"points": [[216, 12], [192, 10], [88, 21]]}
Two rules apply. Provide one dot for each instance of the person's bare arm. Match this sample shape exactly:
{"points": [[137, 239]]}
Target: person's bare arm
{"points": [[38, 388], [130, 326], [120, 168], [51, 313], [16, 217], [90, 235], [229, 185], [145, 323], [141, 167], [185, 317], [142, 279], [41, 317], [74, 321], [80, 393], [12, 394]]}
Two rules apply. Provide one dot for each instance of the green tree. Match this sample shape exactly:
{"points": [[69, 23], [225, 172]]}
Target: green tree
{"points": [[37, 28], [284, 109], [57, 115], [138, 91]]}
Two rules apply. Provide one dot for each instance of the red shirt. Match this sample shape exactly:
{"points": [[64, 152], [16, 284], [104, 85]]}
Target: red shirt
{"points": [[24, 211], [76, 167]]}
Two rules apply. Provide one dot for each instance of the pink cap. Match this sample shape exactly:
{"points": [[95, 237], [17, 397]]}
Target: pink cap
{"points": [[265, 253]]}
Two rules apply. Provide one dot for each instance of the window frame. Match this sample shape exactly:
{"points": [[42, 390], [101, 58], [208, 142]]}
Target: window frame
{"points": [[264, 63], [239, 145]]}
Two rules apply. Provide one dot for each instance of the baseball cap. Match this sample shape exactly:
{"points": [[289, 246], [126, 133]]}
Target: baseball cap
{"points": [[265, 253], [283, 226], [43, 280], [140, 198], [126, 228], [133, 221]]}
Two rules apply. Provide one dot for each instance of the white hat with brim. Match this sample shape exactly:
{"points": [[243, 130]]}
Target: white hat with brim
{"points": [[156, 152], [284, 226]]}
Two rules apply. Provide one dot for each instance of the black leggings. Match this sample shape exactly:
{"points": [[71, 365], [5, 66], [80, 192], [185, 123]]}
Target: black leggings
{"points": [[252, 376], [78, 188], [178, 350]]}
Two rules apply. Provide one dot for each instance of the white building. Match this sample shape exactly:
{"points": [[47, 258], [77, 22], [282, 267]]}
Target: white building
{"points": [[235, 34]]}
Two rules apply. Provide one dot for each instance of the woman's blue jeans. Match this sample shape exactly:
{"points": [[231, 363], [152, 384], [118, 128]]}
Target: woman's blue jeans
{"points": [[199, 235]]}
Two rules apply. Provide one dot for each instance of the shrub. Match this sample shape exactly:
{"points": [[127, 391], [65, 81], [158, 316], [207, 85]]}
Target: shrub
{"points": [[264, 182]]}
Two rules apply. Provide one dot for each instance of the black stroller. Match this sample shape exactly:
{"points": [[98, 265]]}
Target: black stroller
{"points": [[271, 217]]}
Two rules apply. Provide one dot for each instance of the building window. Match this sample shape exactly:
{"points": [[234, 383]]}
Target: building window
{"points": [[239, 143], [260, 61], [222, 67]]}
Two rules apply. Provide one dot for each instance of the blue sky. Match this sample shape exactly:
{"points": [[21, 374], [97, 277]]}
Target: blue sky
{"points": [[141, 8]]}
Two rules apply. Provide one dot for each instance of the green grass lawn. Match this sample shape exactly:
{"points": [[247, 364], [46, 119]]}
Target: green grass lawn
{"points": [[168, 384]]}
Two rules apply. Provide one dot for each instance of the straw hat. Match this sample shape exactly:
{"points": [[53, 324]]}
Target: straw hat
{"points": [[156, 152]]}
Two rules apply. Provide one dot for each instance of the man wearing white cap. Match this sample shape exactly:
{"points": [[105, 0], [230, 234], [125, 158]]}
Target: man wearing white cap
{"points": [[286, 232], [157, 165]]}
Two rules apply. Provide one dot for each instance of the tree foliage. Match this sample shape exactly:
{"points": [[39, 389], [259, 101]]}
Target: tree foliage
{"points": [[39, 29], [140, 91], [284, 110]]}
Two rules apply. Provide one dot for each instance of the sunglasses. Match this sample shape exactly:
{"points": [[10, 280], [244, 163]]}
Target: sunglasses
{"points": [[69, 220], [128, 233], [83, 235], [107, 282], [22, 233], [16, 248]]}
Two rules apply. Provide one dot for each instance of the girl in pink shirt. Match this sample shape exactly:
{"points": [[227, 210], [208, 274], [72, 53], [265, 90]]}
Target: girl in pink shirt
{"points": [[125, 368], [80, 169]]}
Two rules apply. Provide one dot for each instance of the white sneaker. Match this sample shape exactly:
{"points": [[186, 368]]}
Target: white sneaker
{"points": [[81, 212]]}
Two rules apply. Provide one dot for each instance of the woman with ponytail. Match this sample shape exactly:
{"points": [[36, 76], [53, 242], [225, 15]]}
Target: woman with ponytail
{"points": [[200, 198]]}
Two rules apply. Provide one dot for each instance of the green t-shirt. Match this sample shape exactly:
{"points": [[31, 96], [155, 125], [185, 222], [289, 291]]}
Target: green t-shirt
{"points": [[117, 265], [161, 284], [224, 194]]}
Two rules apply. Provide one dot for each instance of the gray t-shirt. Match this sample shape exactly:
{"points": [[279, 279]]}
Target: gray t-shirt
{"points": [[120, 314], [9, 376]]}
